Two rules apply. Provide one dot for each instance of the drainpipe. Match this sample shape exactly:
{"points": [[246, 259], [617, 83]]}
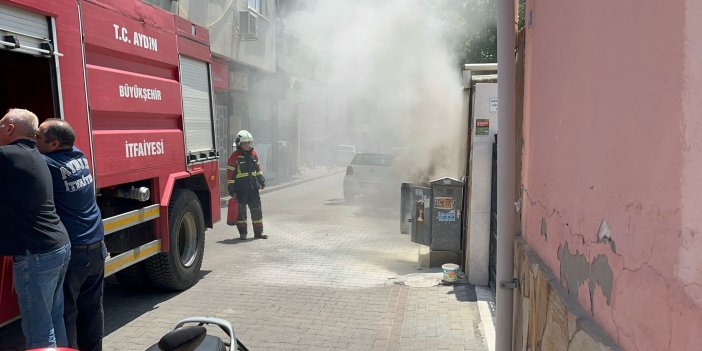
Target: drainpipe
{"points": [[505, 173]]}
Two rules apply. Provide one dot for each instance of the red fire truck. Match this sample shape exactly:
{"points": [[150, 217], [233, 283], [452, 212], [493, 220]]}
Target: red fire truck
{"points": [[135, 83]]}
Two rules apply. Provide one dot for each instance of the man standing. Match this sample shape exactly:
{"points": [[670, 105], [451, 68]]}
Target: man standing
{"points": [[32, 231], [74, 195], [244, 179]]}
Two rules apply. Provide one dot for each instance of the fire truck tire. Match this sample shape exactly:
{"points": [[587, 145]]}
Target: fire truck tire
{"points": [[179, 268], [134, 277]]}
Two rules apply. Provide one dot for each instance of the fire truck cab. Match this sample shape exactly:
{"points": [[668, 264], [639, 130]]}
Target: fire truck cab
{"points": [[134, 82]]}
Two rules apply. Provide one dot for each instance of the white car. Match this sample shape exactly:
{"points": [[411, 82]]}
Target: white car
{"points": [[344, 154], [368, 173]]}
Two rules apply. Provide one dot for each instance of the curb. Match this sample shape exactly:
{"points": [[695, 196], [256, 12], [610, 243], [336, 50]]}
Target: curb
{"points": [[223, 200]]}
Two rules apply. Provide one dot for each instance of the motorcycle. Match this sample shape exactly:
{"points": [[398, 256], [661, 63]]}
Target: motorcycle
{"points": [[190, 334]]}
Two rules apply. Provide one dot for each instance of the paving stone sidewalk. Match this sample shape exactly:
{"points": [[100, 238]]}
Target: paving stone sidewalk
{"points": [[329, 278]]}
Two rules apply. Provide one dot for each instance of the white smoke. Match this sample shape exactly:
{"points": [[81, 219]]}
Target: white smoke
{"points": [[391, 80]]}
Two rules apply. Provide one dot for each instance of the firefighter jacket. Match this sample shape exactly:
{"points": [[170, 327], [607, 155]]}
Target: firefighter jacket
{"points": [[244, 172]]}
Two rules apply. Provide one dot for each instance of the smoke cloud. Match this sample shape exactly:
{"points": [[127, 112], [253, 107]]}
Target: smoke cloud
{"points": [[388, 81]]}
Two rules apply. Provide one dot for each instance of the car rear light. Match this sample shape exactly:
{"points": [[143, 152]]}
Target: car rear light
{"points": [[349, 170]]}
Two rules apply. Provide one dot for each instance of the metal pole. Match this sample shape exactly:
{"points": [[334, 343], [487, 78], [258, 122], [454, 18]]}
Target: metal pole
{"points": [[505, 173]]}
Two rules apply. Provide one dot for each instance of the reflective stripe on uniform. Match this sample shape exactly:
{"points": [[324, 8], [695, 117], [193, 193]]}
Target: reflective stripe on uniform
{"points": [[244, 175], [257, 222], [258, 165], [230, 181]]}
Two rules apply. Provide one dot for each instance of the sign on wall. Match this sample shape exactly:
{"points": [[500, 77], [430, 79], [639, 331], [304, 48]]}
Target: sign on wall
{"points": [[493, 104], [482, 127]]}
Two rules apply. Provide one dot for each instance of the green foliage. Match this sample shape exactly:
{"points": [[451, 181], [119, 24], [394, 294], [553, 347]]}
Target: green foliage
{"points": [[522, 13], [474, 22]]}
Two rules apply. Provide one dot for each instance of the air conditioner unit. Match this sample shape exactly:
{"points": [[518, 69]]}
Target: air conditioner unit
{"points": [[296, 84], [248, 25]]}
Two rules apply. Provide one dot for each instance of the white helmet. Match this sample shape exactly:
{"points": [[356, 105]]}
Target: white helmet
{"points": [[242, 137]]}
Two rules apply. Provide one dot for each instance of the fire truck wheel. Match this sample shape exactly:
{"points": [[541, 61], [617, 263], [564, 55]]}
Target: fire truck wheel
{"points": [[179, 268]]}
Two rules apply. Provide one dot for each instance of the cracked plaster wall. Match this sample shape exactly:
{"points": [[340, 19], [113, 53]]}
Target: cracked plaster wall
{"points": [[612, 162], [546, 317]]}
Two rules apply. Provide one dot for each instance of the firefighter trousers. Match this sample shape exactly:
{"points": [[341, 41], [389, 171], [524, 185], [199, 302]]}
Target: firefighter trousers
{"points": [[252, 199]]}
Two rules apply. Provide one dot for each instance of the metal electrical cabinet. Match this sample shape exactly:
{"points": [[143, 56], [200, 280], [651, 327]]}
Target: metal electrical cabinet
{"points": [[446, 223], [420, 225]]}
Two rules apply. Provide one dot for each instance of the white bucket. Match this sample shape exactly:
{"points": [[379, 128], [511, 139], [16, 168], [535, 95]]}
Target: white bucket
{"points": [[450, 272]]}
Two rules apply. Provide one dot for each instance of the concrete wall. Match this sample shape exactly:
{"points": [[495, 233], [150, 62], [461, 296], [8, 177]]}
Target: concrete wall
{"points": [[612, 164]]}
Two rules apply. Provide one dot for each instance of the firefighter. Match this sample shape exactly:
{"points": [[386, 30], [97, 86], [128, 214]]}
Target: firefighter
{"points": [[244, 180]]}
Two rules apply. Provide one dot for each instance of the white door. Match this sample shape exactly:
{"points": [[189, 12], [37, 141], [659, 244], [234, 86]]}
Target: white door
{"points": [[197, 105]]}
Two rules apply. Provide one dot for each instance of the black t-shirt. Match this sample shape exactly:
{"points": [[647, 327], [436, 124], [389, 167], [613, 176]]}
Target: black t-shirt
{"points": [[28, 219]]}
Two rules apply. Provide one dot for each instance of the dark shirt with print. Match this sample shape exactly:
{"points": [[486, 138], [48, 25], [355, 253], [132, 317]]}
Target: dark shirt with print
{"points": [[74, 195]]}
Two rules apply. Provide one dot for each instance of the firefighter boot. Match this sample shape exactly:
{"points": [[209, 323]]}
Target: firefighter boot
{"points": [[241, 227], [260, 235], [242, 230]]}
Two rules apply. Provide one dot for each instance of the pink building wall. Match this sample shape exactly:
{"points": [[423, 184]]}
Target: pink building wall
{"points": [[613, 145]]}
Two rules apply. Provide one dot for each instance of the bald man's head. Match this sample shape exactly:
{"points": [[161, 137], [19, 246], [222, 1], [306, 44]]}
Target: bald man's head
{"points": [[55, 134], [18, 124]]}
